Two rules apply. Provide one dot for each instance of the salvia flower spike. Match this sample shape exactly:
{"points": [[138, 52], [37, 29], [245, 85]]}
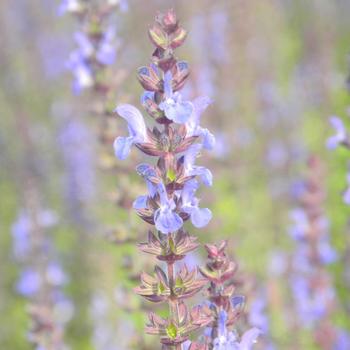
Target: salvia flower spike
{"points": [[225, 305], [176, 141], [311, 283]]}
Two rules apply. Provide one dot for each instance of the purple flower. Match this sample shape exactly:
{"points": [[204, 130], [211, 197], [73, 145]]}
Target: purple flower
{"points": [[326, 252], [55, 275], [106, 53], [340, 135], [77, 146], [200, 217], [342, 341], [301, 224], [249, 338], [228, 340], [165, 217], [85, 46], [193, 127], [193, 170], [83, 76], [137, 130], [21, 236], [123, 4], [29, 283], [257, 316], [72, 6], [346, 195], [174, 108], [277, 154]]}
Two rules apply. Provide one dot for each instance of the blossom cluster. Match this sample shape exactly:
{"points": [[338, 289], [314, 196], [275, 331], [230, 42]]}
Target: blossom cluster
{"points": [[311, 283], [96, 42], [172, 183], [224, 303], [41, 280], [176, 140], [340, 138]]}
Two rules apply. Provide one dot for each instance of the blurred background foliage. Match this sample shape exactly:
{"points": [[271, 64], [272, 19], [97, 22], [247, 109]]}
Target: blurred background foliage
{"points": [[276, 70]]}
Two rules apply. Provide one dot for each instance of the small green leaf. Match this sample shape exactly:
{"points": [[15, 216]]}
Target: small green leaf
{"points": [[171, 331], [171, 175], [161, 288]]}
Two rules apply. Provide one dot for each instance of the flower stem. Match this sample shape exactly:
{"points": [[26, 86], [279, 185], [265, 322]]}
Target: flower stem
{"points": [[173, 302]]}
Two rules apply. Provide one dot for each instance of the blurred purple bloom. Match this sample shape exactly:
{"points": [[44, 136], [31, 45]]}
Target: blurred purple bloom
{"points": [[218, 35], [77, 148], [277, 154], [107, 50], [21, 236], [222, 147], [257, 316], [69, 6], [228, 340], [346, 194], [301, 224], [340, 136], [55, 275], [326, 252], [165, 218], [342, 341], [83, 76], [173, 106], [29, 283], [123, 4], [137, 130], [249, 338]]}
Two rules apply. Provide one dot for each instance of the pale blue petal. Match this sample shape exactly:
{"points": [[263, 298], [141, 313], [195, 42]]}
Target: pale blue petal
{"points": [[136, 124], [122, 146], [167, 221], [249, 338], [183, 112], [200, 217], [140, 202], [205, 175]]}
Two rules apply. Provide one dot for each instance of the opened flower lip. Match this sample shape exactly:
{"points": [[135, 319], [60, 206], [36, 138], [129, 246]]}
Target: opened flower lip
{"points": [[340, 135], [165, 218], [137, 130], [174, 108]]}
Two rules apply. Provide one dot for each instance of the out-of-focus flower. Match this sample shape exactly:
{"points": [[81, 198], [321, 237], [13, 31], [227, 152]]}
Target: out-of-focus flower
{"points": [[73, 6], [29, 283], [229, 340], [340, 135]]}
